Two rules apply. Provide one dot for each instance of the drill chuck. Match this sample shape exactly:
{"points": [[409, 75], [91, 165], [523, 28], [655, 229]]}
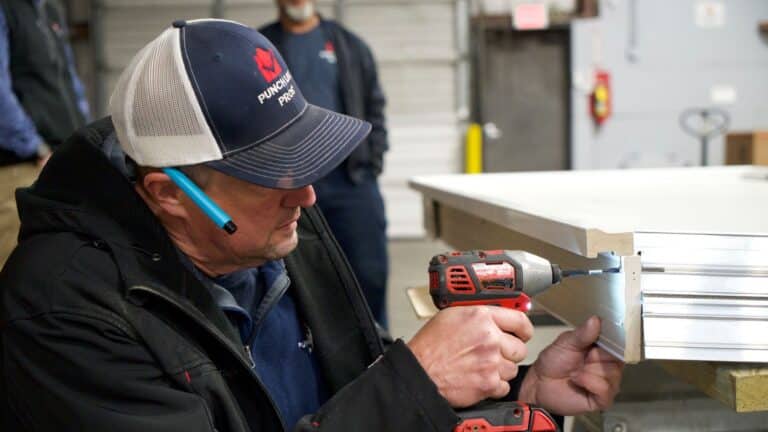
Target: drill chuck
{"points": [[557, 274], [536, 274]]}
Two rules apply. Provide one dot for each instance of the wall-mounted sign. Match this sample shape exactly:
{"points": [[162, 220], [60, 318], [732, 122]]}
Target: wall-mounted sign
{"points": [[709, 14], [530, 16], [723, 94]]}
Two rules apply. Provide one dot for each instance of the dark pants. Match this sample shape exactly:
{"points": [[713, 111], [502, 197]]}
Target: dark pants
{"points": [[355, 213]]}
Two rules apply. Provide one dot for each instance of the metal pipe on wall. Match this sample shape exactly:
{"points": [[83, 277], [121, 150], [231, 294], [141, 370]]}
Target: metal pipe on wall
{"points": [[461, 10], [631, 49], [478, 70], [217, 9]]}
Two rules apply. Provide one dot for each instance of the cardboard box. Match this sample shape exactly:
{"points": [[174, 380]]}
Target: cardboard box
{"points": [[749, 148]]}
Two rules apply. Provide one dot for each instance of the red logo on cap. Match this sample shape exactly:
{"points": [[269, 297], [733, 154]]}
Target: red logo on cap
{"points": [[268, 65]]}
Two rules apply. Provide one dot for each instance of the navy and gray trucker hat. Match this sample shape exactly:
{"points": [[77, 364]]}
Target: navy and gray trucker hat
{"points": [[217, 92]]}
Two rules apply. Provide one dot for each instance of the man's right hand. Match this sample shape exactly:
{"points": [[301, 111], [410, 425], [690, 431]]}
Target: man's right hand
{"points": [[471, 352]]}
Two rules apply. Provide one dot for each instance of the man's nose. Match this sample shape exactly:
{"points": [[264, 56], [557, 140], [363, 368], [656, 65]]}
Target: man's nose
{"points": [[301, 197]]}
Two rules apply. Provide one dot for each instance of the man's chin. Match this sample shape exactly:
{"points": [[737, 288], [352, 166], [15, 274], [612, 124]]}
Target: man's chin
{"points": [[284, 248], [300, 14]]}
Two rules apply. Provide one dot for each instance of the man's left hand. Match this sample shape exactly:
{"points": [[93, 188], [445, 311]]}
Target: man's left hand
{"points": [[573, 375]]}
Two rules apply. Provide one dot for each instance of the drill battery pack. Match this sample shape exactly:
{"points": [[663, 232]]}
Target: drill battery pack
{"points": [[505, 417]]}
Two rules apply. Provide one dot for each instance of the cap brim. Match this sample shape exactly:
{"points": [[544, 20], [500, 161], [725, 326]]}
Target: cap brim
{"points": [[299, 155]]}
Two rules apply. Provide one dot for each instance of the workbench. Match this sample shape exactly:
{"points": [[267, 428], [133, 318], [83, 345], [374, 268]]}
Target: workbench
{"points": [[691, 244]]}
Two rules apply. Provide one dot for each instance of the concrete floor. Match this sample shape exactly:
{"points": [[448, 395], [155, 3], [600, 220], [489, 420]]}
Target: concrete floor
{"points": [[408, 268]]}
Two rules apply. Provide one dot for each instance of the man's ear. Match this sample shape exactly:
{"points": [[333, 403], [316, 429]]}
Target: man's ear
{"points": [[162, 195]]}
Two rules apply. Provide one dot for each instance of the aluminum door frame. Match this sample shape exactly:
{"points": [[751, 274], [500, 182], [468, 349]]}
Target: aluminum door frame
{"points": [[704, 296]]}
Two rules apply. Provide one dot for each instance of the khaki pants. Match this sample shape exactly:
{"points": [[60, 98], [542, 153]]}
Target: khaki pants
{"points": [[11, 178]]}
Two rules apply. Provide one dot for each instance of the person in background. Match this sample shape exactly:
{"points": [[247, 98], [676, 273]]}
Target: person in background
{"points": [[336, 70], [42, 100]]}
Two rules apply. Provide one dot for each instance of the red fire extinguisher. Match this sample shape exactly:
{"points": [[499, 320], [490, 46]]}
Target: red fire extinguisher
{"points": [[600, 99]]}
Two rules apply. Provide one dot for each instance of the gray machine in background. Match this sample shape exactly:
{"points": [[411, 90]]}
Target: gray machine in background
{"points": [[665, 57]]}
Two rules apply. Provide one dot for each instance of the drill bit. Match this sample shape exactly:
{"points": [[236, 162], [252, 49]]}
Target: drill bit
{"points": [[589, 272], [558, 274]]}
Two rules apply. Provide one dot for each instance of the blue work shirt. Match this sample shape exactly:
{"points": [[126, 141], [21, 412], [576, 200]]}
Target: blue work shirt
{"points": [[258, 304], [311, 57], [17, 131]]}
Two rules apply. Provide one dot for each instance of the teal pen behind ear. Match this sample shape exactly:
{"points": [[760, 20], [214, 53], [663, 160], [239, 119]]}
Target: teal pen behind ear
{"points": [[206, 204]]}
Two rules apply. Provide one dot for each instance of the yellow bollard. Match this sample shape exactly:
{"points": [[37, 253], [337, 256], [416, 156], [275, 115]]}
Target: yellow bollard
{"points": [[473, 150]]}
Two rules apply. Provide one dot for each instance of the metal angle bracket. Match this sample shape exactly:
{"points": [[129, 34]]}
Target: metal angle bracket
{"points": [[615, 297]]}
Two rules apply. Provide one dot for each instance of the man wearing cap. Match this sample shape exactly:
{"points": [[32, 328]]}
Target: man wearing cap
{"points": [[127, 307], [336, 70]]}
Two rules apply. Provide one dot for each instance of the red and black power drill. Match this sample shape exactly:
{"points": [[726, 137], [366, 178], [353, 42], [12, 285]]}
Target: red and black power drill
{"points": [[496, 277], [502, 278]]}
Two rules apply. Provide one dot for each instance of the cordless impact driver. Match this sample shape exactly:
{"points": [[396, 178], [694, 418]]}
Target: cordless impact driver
{"points": [[502, 278]]}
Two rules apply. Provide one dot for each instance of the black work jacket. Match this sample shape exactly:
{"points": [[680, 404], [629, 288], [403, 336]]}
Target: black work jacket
{"points": [[103, 329], [361, 94], [39, 69]]}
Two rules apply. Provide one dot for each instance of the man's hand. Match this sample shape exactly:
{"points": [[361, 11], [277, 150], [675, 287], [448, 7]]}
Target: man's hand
{"points": [[471, 352], [573, 376]]}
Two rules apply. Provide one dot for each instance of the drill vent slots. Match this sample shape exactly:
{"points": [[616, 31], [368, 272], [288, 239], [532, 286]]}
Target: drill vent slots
{"points": [[458, 279]]}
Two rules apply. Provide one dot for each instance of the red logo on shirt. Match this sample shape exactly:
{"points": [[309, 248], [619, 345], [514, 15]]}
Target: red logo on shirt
{"points": [[268, 65], [328, 53]]}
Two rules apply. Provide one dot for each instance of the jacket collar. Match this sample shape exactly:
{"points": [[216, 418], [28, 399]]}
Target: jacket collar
{"points": [[81, 191]]}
